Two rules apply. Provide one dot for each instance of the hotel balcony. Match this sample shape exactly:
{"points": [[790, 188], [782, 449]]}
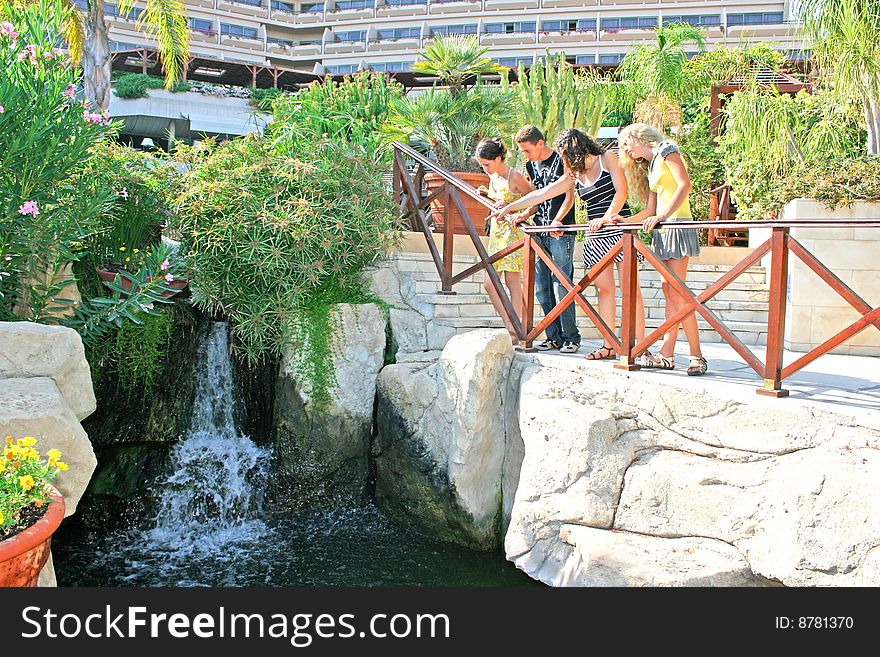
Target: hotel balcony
{"points": [[279, 46], [499, 5], [248, 43], [419, 8], [632, 2], [509, 38], [309, 17], [348, 14], [243, 7], [374, 45], [336, 47], [454, 6], [203, 36], [200, 3], [572, 36], [550, 4], [306, 50], [283, 16], [736, 32], [628, 34]]}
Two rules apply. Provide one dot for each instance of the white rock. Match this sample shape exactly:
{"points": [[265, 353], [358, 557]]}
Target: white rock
{"points": [[29, 349], [408, 331]]}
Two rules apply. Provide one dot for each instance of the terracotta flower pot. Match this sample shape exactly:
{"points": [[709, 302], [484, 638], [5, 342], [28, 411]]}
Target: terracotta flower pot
{"points": [[477, 211], [107, 275], [23, 555]]}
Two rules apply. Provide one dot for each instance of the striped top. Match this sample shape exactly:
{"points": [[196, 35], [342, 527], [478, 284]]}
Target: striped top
{"points": [[598, 198]]}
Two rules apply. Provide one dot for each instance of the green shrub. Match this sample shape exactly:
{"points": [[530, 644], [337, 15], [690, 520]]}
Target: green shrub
{"points": [[703, 163], [135, 85], [274, 242], [263, 98]]}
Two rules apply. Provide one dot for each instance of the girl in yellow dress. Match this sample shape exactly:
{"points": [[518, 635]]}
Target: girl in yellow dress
{"points": [[506, 185]]}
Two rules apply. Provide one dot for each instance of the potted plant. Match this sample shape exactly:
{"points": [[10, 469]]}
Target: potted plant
{"points": [[31, 509], [449, 122]]}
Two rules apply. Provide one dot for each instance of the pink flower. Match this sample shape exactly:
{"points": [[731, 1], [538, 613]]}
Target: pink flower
{"points": [[1, 109], [165, 265], [29, 50], [122, 193], [169, 277], [8, 29], [29, 207], [70, 92], [93, 117]]}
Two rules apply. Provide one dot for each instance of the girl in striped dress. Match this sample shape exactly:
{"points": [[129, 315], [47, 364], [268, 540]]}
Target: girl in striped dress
{"points": [[659, 179], [599, 182]]}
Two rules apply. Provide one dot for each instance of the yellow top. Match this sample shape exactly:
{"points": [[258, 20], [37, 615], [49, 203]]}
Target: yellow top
{"points": [[499, 189], [661, 181]]}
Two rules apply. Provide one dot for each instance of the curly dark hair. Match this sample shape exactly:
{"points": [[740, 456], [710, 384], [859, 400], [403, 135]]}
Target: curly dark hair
{"points": [[574, 146], [489, 149]]}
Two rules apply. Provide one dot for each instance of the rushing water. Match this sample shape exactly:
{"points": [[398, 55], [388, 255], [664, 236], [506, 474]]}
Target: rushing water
{"points": [[212, 530]]}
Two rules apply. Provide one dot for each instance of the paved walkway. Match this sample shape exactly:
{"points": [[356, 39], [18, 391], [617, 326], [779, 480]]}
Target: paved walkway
{"points": [[847, 385]]}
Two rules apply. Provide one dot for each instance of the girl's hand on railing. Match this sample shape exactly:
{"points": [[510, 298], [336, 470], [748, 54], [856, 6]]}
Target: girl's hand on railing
{"points": [[500, 203], [596, 224], [482, 190], [651, 222]]}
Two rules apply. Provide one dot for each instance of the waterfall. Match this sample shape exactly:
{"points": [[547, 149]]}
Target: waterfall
{"points": [[212, 498]]}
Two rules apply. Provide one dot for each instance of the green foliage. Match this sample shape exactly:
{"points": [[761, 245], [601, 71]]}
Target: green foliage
{"points": [[135, 85], [769, 136], [454, 59], [350, 112], [703, 163], [620, 100], [554, 96], [138, 351], [46, 208], [845, 39], [451, 127], [275, 240], [263, 98]]}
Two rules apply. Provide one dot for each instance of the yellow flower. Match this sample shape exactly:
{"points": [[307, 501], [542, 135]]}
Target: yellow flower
{"points": [[53, 455], [31, 454], [8, 440], [122, 248], [10, 453], [61, 465], [26, 482], [2, 519], [27, 441], [136, 251], [128, 259]]}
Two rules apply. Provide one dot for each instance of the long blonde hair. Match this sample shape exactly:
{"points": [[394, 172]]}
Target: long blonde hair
{"points": [[636, 171]]}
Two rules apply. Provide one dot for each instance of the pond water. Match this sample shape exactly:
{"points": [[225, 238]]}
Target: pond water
{"points": [[212, 528]]}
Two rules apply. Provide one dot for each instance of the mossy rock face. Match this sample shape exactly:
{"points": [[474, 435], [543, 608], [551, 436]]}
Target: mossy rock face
{"points": [[119, 493], [161, 415]]}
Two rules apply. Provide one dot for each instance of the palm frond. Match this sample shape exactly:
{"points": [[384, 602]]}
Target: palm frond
{"points": [[455, 58], [167, 21], [74, 32]]}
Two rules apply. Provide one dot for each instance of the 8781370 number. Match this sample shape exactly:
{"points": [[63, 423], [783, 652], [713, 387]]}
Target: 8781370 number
{"points": [[825, 622]]}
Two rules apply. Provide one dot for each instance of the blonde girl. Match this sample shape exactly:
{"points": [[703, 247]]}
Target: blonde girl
{"points": [[658, 179]]}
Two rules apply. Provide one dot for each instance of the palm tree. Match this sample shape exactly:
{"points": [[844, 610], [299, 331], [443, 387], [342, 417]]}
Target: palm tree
{"points": [[845, 38], [166, 20], [454, 58], [662, 71]]}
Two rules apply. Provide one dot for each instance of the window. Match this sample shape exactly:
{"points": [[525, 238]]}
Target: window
{"points": [[342, 69], [585, 59], [569, 25], [514, 62], [709, 20], [311, 7], [201, 25], [611, 59], [511, 28], [454, 29], [352, 36], [238, 31], [283, 6], [280, 42], [342, 5], [630, 23], [405, 3], [391, 66], [81, 4], [755, 18], [250, 3], [399, 33]]}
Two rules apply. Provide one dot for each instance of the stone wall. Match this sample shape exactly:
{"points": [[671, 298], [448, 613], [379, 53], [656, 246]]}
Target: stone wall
{"points": [[45, 390]]}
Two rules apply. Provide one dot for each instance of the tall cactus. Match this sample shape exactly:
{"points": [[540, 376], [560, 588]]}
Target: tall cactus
{"points": [[554, 96]]}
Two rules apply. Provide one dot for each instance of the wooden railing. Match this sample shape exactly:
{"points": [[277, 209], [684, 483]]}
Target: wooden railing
{"points": [[781, 245]]}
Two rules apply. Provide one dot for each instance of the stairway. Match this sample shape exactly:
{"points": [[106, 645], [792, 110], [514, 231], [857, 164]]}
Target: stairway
{"points": [[742, 305]]}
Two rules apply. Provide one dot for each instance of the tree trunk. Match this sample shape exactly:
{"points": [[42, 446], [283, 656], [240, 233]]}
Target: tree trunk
{"points": [[872, 118], [96, 57]]}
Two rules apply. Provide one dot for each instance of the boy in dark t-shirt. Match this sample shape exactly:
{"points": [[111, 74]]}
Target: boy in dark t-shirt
{"points": [[544, 166]]}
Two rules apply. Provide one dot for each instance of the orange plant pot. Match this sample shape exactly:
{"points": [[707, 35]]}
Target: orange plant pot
{"points": [[23, 555], [477, 211]]}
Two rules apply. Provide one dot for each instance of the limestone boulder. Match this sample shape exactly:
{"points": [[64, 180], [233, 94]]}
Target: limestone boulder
{"points": [[787, 489], [408, 331], [29, 349], [35, 407], [323, 454], [440, 445]]}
